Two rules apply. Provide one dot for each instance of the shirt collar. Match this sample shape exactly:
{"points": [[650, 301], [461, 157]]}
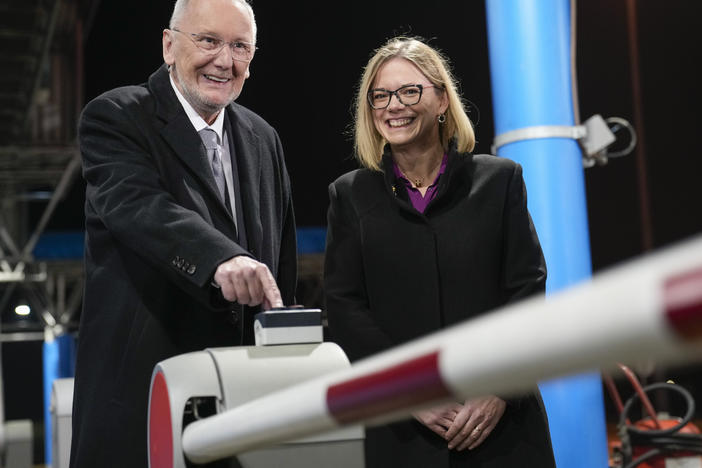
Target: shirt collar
{"points": [[197, 121]]}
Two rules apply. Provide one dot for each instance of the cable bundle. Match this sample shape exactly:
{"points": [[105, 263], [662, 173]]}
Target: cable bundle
{"points": [[649, 441]]}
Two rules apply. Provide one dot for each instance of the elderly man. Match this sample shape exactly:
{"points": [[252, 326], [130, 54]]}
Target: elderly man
{"points": [[189, 225]]}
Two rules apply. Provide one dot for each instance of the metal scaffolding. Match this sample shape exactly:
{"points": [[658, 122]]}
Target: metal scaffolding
{"points": [[41, 95]]}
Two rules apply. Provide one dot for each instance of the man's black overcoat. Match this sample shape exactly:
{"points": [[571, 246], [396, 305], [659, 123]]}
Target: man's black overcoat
{"points": [[155, 232]]}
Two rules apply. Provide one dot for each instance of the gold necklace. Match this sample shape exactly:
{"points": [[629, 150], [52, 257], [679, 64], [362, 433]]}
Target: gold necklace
{"points": [[417, 181]]}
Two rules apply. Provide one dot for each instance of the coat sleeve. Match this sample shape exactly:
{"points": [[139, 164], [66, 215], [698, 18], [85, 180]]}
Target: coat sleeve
{"points": [[126, 199], [351, 322], [523, 264]]}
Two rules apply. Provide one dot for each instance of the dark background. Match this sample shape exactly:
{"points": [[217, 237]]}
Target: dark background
{"points": [[310, 59], [311, 56]]}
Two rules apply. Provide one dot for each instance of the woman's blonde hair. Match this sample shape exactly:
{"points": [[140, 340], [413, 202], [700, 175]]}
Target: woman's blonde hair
{"points": [[368, 143]]}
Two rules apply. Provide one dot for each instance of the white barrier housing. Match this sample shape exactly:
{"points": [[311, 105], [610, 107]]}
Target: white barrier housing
{"points": [[196, 385], [61, 422], [19, 444]]}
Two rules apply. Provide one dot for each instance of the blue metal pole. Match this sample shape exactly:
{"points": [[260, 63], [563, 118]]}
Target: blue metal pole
{"points": [[50, 353], [530, 65], [58, 362]]}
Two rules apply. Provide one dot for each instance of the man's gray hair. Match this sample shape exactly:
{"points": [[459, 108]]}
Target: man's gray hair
{"points": [[181, 5]]}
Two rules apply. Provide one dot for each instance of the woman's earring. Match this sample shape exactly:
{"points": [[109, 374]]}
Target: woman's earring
{"points": [[442, 118]]}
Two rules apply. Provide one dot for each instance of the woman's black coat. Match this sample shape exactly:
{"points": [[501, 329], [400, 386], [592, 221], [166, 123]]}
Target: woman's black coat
{"points": [[393, 274]]}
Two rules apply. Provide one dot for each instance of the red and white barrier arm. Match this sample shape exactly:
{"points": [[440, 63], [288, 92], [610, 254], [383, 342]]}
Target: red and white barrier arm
{"points": [[648, 308]]}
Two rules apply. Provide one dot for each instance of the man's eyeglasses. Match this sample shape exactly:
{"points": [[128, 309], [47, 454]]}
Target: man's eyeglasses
{"points": [[241, 51], [408, 95]]}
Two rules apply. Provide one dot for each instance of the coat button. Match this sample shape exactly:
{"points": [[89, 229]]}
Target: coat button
{"points": [[234, 317]]}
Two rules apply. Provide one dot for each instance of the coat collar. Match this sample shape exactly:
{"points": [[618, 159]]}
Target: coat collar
{"points": [[457, 176]]}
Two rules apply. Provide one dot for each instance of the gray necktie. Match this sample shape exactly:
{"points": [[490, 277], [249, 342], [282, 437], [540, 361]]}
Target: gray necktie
{"points": [[209, 139]]}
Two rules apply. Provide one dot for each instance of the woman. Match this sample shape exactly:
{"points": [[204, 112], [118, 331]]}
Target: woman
{"points": [[426, 235]]}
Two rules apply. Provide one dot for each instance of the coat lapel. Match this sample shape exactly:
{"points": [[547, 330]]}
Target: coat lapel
{"points": [[248, 160], [396, 188], [180, 135]]}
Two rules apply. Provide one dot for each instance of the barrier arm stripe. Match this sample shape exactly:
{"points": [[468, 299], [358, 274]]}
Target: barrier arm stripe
{"points": [[404, 385], [683, 303]]}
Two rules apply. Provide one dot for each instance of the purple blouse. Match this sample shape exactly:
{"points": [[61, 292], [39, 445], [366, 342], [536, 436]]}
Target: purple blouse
{"points": [[418, 201]]}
